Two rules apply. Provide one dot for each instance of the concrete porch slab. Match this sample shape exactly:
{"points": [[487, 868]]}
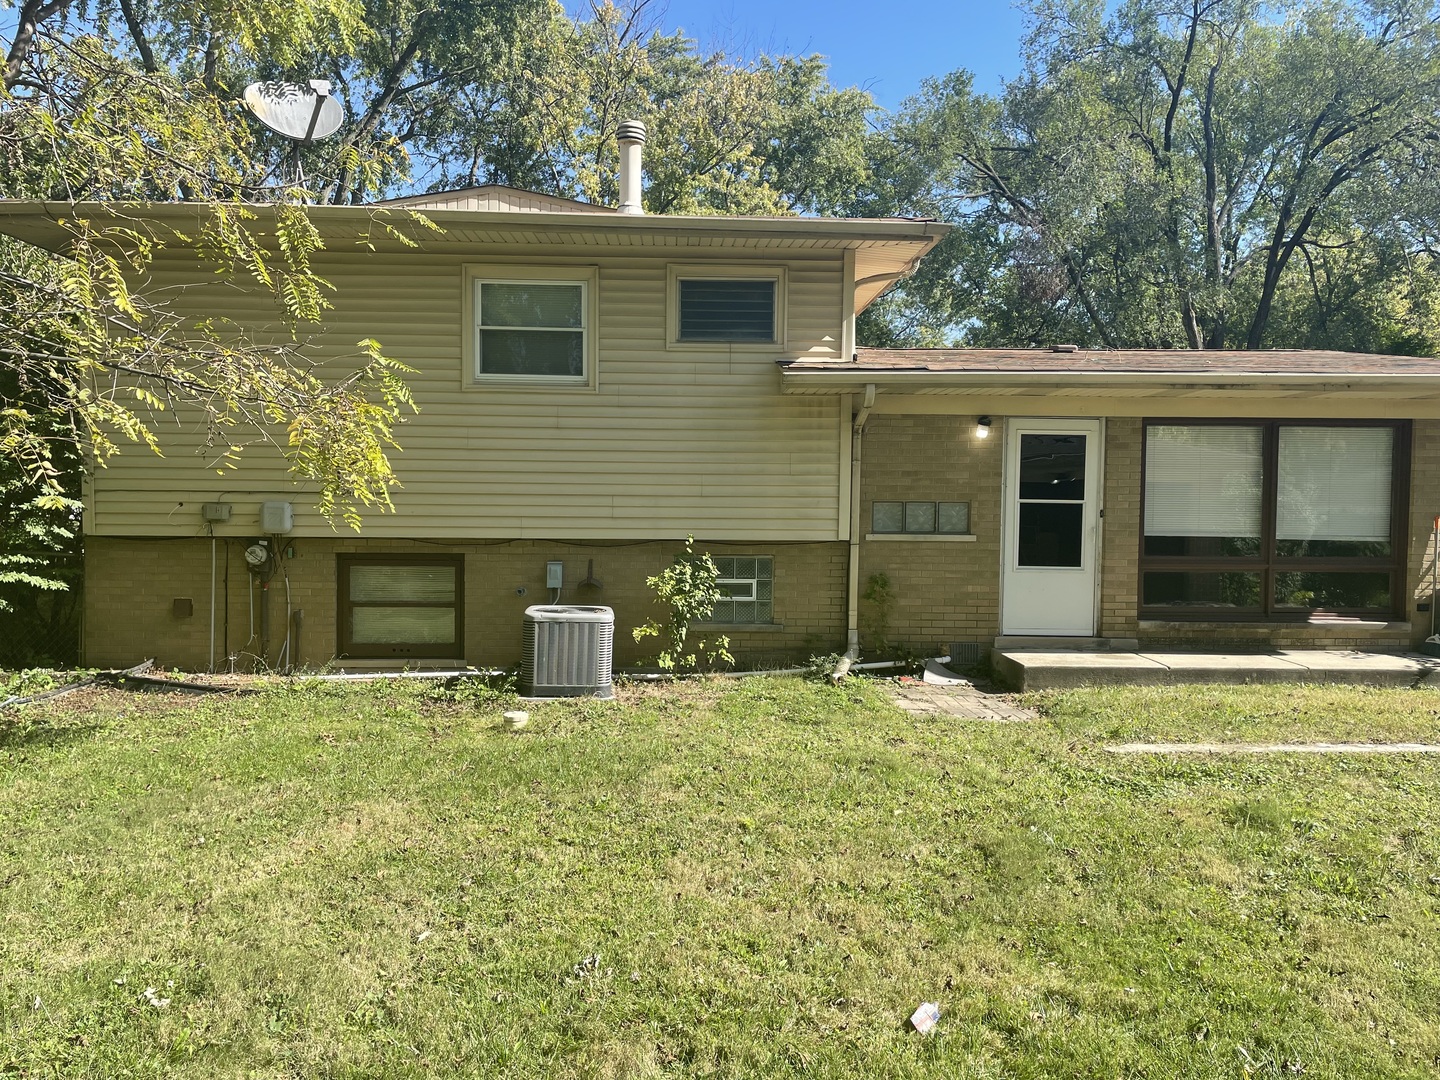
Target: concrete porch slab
{"points": [[1059, 669], [1062, 669]]}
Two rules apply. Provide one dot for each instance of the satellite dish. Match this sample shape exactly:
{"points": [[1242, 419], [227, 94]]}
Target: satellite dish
{"points": [[303, 113]]}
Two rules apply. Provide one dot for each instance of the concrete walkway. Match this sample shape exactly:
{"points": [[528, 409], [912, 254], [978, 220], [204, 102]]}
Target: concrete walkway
{"points": [[1045, 669], [1274, 748], [960, 700]]}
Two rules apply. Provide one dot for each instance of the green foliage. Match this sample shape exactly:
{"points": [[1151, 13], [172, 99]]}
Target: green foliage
{"points": [[769, 136], [1215, 174], [688, 589], [879, 596]]}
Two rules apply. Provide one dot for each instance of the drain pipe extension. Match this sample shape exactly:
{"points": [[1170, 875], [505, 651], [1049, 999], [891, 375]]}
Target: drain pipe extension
{"points": [[852, 586]]}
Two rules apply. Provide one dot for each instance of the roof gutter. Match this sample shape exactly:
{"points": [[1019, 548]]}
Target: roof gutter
{"points": [[843, 381]]}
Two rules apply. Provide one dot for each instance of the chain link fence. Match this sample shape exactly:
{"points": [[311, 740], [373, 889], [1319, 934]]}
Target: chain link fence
{"points": [[40, 628]]}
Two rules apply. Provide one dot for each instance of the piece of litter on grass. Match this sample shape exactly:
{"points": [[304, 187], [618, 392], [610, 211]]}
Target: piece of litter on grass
{"points": [[925, 1017], [154, 999], [516, 719], [423, 935]]}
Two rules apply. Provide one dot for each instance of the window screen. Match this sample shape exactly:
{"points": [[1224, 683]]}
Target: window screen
{"points": [[727, 309]]}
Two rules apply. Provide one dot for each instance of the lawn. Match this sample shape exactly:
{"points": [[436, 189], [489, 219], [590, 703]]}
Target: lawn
{"points": [[758, 878]]}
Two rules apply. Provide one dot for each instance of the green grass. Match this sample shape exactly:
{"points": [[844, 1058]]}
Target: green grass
{"points": [[377, 881]]}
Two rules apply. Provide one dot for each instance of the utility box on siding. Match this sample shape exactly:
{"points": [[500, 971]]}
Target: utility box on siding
{"points": [[568, 651]]}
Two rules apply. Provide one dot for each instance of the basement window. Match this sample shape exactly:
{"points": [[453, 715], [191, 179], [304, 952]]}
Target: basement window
{"points": [[401, 606], [748, 582]]}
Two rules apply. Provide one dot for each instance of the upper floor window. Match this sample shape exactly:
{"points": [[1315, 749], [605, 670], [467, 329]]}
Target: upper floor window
{"points": [[739, 305], [531, 325], [727, 309]]}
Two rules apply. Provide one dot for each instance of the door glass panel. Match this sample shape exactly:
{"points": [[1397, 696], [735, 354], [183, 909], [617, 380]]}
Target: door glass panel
{"points": [[1052, 467], [1051, 534]]}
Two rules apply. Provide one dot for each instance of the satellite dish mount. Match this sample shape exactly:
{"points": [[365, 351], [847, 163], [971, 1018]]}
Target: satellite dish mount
{"points": [[304, 113]]}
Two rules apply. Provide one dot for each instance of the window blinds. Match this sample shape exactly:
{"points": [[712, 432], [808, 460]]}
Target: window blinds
{"points": [[1202, 481], [1334, 483]]}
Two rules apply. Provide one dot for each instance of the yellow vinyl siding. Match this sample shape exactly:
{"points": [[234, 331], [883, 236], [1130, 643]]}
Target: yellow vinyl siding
{"points": [[669, 443]]}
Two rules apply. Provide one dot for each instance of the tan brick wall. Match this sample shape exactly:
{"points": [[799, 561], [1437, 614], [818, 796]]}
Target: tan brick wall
{"points": [[1120, 528], [130, 584], [1424, 505], [942, 591]]}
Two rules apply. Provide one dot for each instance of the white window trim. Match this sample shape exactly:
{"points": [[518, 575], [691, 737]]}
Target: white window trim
{"points": [[587, 277], [677, 272], [750, 581]]}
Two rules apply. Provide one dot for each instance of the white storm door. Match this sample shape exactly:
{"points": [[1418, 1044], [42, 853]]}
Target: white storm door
{"points": [[1052, 497]]}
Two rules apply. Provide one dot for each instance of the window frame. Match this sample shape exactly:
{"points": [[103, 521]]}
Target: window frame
{"points": [[587, 277], [347, 649], [905, 504], [678, 272], [1268, 564]]}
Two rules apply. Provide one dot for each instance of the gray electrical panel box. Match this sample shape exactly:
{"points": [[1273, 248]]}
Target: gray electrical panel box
{"points": [[554, 575], [215, 512], [276, 517]]}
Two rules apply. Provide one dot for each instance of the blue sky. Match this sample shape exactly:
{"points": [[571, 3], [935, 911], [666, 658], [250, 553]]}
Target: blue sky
{"points": [[886, 48]]}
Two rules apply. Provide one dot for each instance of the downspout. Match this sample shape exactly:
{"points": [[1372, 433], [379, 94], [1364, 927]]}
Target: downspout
{"points": [[852, 586]]}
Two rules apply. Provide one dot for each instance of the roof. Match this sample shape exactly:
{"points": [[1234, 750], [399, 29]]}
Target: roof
{"points": [[886, 249], [1125, 381], [1084, 363], [497, 197]]}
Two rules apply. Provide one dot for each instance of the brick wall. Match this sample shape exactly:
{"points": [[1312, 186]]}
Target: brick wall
{"points": [[942, 591], [1120, 529], [130, 585]]}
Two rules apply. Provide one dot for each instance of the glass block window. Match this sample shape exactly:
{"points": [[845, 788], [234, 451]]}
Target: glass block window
{"points": [[951, 518], [748, 582], [727, 309], [530, 329]]}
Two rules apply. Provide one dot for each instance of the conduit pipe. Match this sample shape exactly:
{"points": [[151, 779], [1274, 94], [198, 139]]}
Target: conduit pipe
{"points": [[212, 602], [852, 585]]}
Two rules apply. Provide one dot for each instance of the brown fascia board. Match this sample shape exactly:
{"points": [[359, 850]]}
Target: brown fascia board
{"points": [[833, 380]]}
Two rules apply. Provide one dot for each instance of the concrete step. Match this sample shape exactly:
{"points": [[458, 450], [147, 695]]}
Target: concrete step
{"points": [[1005, 642], [1046, 669]]}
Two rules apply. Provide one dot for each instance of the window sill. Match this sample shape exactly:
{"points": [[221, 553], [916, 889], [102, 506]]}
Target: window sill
{"points": [[743, 627], [932, 538], [726, 346]]}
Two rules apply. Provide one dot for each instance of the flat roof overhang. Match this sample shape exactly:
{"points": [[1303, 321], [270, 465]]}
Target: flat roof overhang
{"points": [[1088, 393]]}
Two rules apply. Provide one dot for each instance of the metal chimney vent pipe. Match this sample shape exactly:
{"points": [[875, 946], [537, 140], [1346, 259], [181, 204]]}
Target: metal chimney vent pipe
{"points": [[632, 141]]}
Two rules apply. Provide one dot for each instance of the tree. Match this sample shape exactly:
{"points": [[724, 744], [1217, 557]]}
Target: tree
{"points": [[1169, 173], [725, 136]]}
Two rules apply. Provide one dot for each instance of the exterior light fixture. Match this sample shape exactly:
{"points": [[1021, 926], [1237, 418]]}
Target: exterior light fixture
{"points": [[982, 428]]}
